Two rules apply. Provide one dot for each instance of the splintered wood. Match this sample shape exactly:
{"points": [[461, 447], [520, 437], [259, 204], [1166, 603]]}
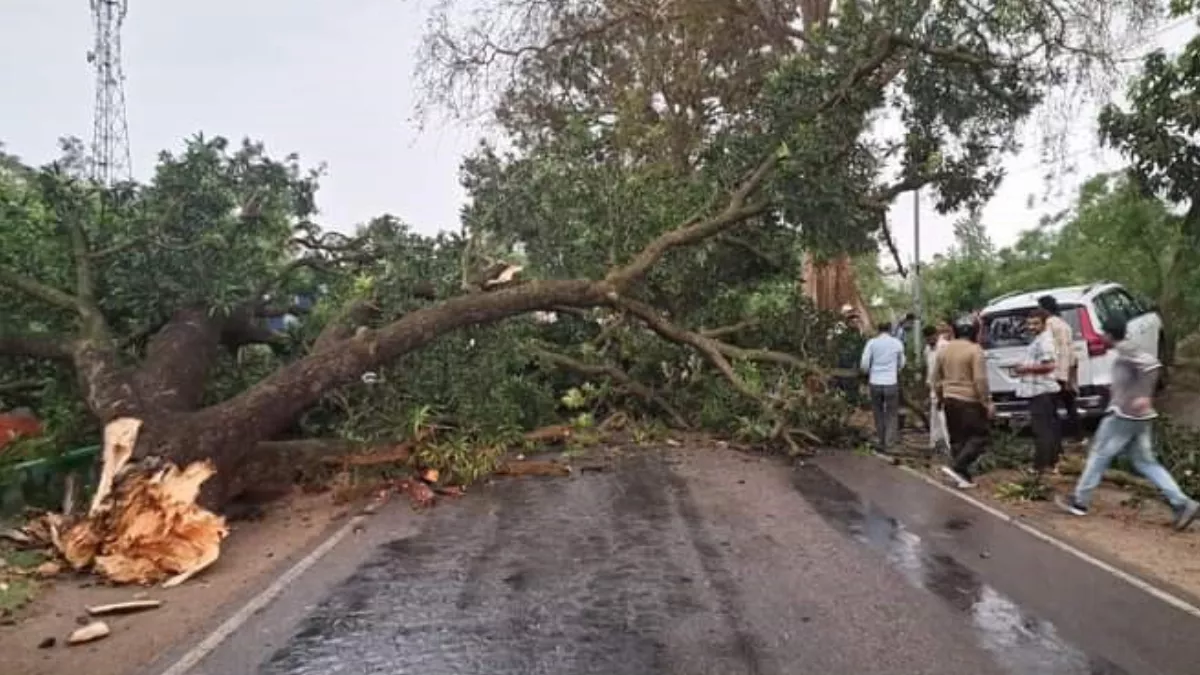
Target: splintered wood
{"points": [[144, 526]]}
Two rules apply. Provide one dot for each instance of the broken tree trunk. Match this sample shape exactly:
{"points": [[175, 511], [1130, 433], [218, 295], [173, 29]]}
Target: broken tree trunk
{"points": [[144, 525]]}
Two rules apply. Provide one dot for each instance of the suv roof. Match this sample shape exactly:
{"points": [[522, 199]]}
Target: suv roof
{"points": [[1067, 295]]}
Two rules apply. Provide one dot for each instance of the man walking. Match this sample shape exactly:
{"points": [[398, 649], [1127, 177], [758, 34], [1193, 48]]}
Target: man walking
{"points": [[1128, 428], [1039, 387], [1066, 365], [936, 337], [882, 360], [847, 338], [961, 385]]}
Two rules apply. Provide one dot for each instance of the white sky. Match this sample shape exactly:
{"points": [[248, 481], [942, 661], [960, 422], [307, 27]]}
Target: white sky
{"points": [[333, 82]]}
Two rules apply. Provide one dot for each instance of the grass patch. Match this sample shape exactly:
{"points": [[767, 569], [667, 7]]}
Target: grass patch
{"points": [[15, 593]]}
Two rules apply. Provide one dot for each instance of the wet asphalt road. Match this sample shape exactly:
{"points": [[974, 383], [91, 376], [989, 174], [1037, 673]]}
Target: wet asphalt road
{"points": [[706, 561]]}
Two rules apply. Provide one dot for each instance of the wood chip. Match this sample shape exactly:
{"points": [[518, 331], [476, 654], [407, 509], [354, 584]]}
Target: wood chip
{"points": [[124, 607], [17, 536], [89, 633], [48, 569]]}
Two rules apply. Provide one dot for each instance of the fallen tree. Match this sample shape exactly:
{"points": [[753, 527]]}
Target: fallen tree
{"points": [[141, 292]]}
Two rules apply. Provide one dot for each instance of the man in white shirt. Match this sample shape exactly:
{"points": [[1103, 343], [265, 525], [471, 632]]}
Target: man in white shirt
{"points": [[882, 360], [1039, 386], [936, 337], [1064, 373]]}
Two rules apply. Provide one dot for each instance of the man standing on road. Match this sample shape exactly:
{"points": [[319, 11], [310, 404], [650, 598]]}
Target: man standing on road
{"points": [[961, 385], [1039, 387], [1064, 355], [882, 360], [936, 338], [1128, 428], [848, 340]]}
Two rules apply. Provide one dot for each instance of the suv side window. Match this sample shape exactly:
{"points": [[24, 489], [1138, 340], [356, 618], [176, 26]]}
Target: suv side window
{"points": [[1136, 307], [1116, 303]]}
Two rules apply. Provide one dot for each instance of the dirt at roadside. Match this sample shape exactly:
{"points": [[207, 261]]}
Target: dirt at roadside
{"points": [[1137, 537], [254, 553]]}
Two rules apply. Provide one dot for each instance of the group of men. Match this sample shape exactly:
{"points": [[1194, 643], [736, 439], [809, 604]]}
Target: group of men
{"points": [[962, 409]]}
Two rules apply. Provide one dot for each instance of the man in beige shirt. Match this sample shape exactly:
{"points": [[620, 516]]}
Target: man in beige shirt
{"points": [[961, 386], [1065, 365]]}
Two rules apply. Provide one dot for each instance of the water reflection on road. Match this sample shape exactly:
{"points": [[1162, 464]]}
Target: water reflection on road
{"points": [[1019, 642]]}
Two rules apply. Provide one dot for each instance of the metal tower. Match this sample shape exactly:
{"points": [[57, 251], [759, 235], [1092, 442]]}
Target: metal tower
{"points": [[110, 162]]}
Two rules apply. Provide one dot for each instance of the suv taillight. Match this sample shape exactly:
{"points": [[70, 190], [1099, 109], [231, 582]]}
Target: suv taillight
{"points": [[1097, 344]]}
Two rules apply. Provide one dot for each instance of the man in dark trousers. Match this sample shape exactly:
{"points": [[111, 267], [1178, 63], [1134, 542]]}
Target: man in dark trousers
{"points": [[1039, 386], [883, 360], [1065, 366], [961, 386], [1127, 430]]}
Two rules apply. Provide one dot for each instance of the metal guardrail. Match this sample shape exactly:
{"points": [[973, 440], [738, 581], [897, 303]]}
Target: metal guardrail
{"points": [[19, 481]]}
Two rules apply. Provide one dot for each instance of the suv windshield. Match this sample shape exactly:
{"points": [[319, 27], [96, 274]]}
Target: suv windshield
{"points": [[1007, 329]]}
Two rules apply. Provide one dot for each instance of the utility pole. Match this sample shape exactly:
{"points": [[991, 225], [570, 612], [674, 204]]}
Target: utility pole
{"points": [[916, 272]]}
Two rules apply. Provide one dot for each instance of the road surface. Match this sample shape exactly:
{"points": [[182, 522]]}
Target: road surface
{"points": [[703, 561]]}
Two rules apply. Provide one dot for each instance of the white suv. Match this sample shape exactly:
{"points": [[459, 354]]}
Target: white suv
{"points": [[1085, 309]]}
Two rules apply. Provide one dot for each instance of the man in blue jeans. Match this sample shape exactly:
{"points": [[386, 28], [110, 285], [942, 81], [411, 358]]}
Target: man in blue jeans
{"points": [[1127, 428], [882, 360]]}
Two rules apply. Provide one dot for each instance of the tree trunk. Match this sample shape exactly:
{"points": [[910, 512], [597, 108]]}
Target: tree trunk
{"points": [[830, 285], [229, 432]]}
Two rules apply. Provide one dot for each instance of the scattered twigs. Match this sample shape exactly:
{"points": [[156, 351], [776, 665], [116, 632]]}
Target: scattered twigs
{"points": [[623, 379]]}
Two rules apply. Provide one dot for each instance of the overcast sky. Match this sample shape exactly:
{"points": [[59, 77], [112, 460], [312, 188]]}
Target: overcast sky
{"points": [[332, 81]]}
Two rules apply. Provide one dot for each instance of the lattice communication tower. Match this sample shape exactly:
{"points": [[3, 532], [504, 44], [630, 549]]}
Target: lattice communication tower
{"points": [[110, 162]]}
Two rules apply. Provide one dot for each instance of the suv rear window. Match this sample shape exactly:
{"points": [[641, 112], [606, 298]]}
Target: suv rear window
{"points": [[1007, 329]]}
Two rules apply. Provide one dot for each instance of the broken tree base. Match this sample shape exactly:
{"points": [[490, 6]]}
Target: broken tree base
{"points": [[144, 525]]}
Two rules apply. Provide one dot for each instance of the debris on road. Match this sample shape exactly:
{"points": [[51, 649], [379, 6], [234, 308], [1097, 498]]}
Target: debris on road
{"points": [[144, 528], [89, 633], [420, 494], [124, 607], [48, 569]]}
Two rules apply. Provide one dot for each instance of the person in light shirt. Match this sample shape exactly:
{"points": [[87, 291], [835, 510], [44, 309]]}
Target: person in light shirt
{"points": [[1127, 429], [936, 338], [1065, 366], [1039, 386], [882, 360]]}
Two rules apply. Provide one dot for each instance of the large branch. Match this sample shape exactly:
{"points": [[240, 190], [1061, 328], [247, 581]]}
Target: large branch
{"points": [[617, 375], [38, 290], [35, 345]]}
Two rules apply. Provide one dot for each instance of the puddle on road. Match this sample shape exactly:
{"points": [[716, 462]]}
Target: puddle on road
{"points": [[1020, 643]]}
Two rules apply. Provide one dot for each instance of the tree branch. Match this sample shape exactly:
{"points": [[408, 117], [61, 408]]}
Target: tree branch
{"points": [[85, 280], [35, 345], [37, 290], [619, 376]]}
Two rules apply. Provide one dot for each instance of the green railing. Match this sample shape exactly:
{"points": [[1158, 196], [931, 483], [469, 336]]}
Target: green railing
{"points": [[41, 482]]}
